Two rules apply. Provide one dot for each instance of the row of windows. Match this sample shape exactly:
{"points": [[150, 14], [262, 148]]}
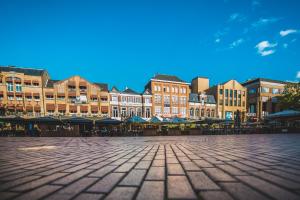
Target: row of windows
{"points": [[265, 90], [207, 113], [124, 112], [232, 93], [232, 102], [167, 100], [167, 110], [182, 90], [130, 99]]}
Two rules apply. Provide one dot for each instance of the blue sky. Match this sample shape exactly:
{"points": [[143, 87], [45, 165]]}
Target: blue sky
{"points": [[124, 43]]}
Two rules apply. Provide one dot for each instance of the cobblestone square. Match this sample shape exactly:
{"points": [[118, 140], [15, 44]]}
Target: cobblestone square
{"points": [[183, 167]]}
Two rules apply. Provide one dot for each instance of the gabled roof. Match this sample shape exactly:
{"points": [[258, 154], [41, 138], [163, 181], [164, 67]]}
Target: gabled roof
{"points": [[147, 92], [26, 71], [130, 91], [50, 83], [262, 79], [114, 89], [103, 86], [164, 77]]}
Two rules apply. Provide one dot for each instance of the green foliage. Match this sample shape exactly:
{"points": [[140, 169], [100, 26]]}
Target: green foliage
{"points": [[291, 97]]}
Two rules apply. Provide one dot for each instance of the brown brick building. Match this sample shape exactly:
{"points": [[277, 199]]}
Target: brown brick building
{"points": [[170, 96]]}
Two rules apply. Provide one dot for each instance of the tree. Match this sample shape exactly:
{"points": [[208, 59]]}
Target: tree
{"points": [[291, 97]]}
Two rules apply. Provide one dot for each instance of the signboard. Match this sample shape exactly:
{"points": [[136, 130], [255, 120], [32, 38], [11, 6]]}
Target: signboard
{"points": [[251, 114], [228, 115]]}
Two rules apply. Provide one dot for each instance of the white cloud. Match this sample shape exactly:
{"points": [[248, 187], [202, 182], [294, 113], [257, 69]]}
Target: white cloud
{"points": [[284, 33], [217, 40], [236, 43], [265, 48], [255, 3], [236, 17], [298, 75], [264, 21], [285, 45]]}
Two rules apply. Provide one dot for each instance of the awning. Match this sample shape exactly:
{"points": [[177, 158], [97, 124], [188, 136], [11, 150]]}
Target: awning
{"points": [[72, 94], [37, 108], [94, 96], [45, 120], [61, 107], [19, 108], [72, 108], [83, 108], [28, 94], [36, 94], [19, 94], [10, 94], [18, 81], [71, 83], [104, 109], [94, 108], [49, 93], [50, 106], [284, 114], [82, 84], [27, 81], [155, 120], [61, 95], [29, 108]]}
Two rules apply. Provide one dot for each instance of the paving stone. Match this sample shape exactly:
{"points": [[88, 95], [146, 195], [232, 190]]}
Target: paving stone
{"points": [[203, 163], [72, 177], [89, 196], [212, 195], [242, 191], [156, 173], [175, 169], [143, 165], [38, 193], [180, 191], [122, 193], [158, 163], [38, 182], [153, 190], [218, 174], [107, 183], [125, 167], [268, 188], [134, 178], [103, 171], [201, 181], [190, 166]]}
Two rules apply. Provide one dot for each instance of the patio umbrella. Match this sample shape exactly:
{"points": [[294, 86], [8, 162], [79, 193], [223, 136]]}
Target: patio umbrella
{"points": [[108, 121], [45, 120], [178, 120], [284, 114], [155, 120], [78, 120], [135, 119], [12, 119]]}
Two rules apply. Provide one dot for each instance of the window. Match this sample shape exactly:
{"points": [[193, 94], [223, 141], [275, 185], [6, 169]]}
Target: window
{"points": [[175, 110], [231, 91], [147, 100], [139, 112], [235, 102], [226, 92], [114, 98], [158, 88], [173, 89], [182, 100], [176, 89], [123, 99], [49, 97], [239, 93], [10, 97], [202, 112], [167, 110], [10, 87], [148, 113], [175, 99], [183, 111], [243, 103], [167, 100], [252, 108], [197, 113], [252, 91], [265, 90], [230, 102], [19, 98], [115, 112], [157, 99], [221, 91], [157, 110], [235, 93], [226, 102], [18, 88], [192, 112], [275, 91], [183, 90], [221, 102], [123, 112]]}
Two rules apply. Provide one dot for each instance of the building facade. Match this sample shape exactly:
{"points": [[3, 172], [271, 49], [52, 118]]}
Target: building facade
{"points": [[231, 97], [21, 91], [202, 106], [76, 96], [262, 97], [125, 104], [170, 96]]}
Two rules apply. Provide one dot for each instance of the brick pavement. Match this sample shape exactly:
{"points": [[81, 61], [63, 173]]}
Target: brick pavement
{"points": [[183, 167]]}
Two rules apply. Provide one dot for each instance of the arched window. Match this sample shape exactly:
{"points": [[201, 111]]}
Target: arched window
{"points": [[192, 112], [212, 113], [197, 112], [202, 112], [139, 112], [208, 113]]}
